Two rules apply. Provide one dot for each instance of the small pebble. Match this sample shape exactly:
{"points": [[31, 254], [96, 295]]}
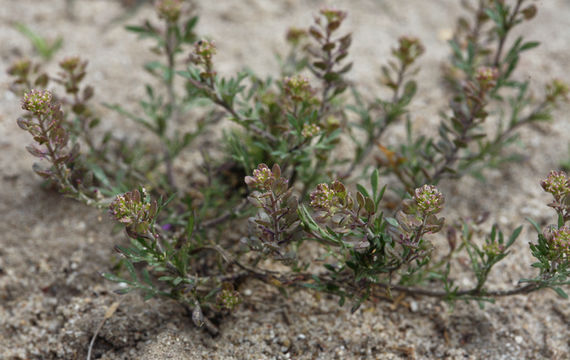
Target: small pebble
{"points": [[518, 339], [413, 306]]}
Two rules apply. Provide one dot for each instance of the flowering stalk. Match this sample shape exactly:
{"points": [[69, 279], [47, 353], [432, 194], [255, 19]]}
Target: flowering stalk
{"points": [[276, 225], [552, 250], [558, 185], [397, 76], [44, 122], [328, 53]]}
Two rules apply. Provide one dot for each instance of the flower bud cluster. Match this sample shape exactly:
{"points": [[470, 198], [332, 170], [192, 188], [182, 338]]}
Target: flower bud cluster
{"points": [[169, 10], [329, 199], [557, 90], [202, 55], [38, 102], [73, 73], [295, 35], [228, 299], [204, 50], [418, 214], [298, 89], [493, 248], [529, 12], [332, 15], [134, 210], [409, 50], [263, 178], [428, 200], [557, 183], [70, 63], [486, 77], [20, 68], [310, 130], [560, 241]]}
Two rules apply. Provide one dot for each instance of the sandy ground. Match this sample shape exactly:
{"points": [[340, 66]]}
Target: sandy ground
{"points": [[52, 299]]}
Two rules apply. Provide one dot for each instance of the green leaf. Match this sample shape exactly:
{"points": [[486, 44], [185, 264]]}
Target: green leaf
{"points": [[124, 291], [131, 269], [362, 189], [46, 49], [360, 199], [560, 292], [529, 45], [99, 174], [136, 29], [190, 226], [514, 236], [146, 277], [534, 224], [369, 206], [374, 182], [380, 196], [456, 49], [392, 221], [114, 278]]}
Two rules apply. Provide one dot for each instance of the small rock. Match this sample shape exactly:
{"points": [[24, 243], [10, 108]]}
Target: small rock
{"points": [[518, 339], [413, 306]]}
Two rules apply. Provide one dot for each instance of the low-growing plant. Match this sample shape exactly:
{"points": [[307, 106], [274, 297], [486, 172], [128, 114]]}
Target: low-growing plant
{"points": [[196, 234], [42, 46]]}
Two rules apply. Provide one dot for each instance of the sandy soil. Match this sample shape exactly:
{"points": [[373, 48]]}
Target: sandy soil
{"points": [[52, 299]]}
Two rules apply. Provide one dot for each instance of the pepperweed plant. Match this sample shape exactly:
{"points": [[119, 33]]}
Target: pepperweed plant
{"points": [[279, 181]]}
